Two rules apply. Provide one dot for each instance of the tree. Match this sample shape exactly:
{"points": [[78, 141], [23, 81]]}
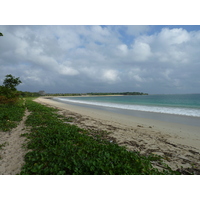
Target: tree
{"points": [[8, 91], [1, 34], [11, 82]]}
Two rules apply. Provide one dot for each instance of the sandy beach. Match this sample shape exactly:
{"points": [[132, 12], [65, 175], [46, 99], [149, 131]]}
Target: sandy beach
{"points": [[179, 144]]}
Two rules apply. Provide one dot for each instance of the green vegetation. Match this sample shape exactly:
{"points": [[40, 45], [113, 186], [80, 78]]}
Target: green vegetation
{"points": [[64, 94], [119, 93], [11, 115], [57, 148], [29, 94], [8, 91], [11, 105], [97, 93], [2, 146], [11, 82]]}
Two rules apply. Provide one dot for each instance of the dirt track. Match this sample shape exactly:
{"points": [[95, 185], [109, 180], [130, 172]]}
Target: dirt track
{"points": [[12, 154]]}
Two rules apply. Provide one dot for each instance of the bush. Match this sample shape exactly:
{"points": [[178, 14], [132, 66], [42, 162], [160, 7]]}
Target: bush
{"points": [[8, 92]]}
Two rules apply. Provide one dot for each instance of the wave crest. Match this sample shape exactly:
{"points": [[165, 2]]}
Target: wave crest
{"points": [[156, 109]]}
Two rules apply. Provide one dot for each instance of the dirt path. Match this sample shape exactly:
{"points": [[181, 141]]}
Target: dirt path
{"points": [[12, 155]]}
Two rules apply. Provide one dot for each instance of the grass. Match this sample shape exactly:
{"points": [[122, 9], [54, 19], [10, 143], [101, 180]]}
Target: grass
{"points": [[58, 148]]}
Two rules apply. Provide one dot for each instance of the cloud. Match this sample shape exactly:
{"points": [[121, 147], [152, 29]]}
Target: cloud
{"points": [[64, 70], [111, 76], [123, 49], [140, 51], [173, 36], [137, 30], [109, 58]]}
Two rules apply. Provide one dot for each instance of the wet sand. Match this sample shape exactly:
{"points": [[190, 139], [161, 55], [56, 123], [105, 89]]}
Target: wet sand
{"points": [[179, 144]]}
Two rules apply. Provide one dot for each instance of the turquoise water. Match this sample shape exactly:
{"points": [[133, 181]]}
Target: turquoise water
{"points": [[186, 104]]}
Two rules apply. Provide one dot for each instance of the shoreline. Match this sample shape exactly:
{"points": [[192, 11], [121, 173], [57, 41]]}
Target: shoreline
{"points": [[166, 117], [178, 143]]}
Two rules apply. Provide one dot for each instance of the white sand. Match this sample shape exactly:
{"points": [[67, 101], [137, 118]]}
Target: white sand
{"points": [[179, 144]]}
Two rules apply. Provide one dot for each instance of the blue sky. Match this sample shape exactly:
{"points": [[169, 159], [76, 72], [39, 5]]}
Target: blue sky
{"points": [[93, 58]]}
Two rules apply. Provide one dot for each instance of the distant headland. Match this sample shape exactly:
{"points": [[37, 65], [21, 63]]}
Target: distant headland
{"points": [[96, 94]]}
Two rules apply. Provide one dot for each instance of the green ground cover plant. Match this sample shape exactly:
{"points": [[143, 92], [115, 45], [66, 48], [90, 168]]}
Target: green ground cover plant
{"points": [[11, 115], [58, 148]]}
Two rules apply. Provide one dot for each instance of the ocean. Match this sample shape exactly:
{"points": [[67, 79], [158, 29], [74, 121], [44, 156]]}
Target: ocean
{"points": [[180, 104]]}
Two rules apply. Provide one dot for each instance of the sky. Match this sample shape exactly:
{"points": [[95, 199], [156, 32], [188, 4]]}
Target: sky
{"points": [[102, 58]]}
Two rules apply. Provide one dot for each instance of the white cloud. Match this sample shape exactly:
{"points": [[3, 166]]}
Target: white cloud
{"points": [[123, 49], [141, 51], [172, 46], [66, 70], [173, 36], [96, 55], [100, 31], [111, 76]]}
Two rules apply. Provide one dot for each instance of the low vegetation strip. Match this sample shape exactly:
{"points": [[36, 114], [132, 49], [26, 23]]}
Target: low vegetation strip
{"points": [[11, 115], [58, 148]]}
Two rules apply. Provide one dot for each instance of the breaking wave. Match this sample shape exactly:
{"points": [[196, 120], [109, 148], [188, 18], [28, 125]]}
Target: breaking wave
{"points": [[156, 109]]}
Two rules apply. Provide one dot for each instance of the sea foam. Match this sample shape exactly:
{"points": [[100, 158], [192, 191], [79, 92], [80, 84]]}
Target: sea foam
{"points": [[156, 109]]}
